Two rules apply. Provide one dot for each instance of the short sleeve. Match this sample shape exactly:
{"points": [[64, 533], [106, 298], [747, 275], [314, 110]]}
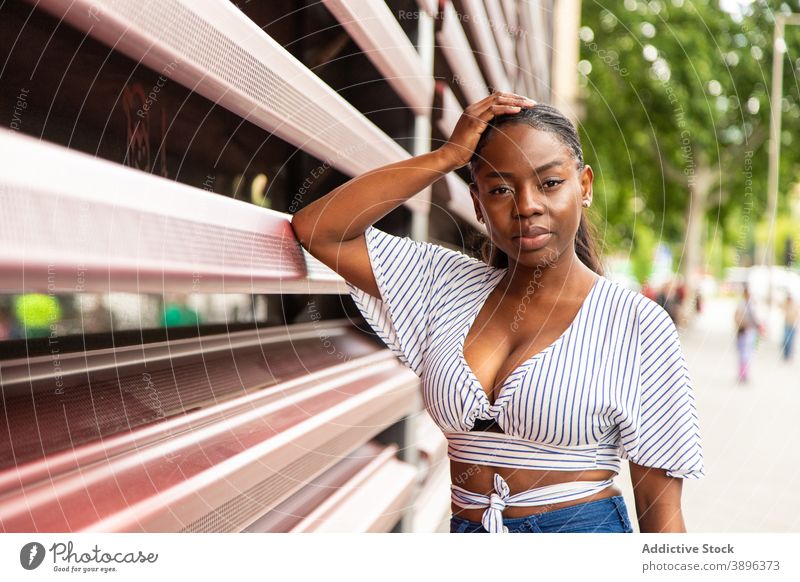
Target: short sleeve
{"points": [[408, 274], [661, 428]]}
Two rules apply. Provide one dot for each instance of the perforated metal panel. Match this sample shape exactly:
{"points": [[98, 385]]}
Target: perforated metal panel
{"points": [[377, 32], [124, 233], [92, 225], [46, 419], [458, 52], [287, 514], [215, 50], [243, 509], [208, 458]]}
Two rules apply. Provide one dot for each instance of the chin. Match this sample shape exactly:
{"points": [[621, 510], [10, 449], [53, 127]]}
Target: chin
{"points": [[539, 258]]}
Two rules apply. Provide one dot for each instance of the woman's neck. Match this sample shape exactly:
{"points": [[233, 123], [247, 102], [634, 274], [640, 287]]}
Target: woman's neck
{"points": [[548, 282]]}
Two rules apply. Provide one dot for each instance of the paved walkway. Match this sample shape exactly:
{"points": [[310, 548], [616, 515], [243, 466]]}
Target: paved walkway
{"points": [[750, 432]]}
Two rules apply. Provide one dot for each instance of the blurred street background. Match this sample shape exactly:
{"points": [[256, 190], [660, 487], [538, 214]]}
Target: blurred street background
{"points": [[749, 430]]}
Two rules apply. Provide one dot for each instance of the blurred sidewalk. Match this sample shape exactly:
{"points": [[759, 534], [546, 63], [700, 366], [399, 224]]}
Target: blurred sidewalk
{"points": [[750, 432]]}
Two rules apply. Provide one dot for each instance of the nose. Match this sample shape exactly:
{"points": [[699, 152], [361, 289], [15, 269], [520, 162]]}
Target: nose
{"points": [[530, 201]]}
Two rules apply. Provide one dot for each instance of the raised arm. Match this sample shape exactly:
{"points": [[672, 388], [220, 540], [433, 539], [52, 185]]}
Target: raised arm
{"points": [[332, 228]]}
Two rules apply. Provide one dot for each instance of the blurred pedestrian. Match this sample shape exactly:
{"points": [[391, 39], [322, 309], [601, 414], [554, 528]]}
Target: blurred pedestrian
{"points": [[791, 316], [177, 312], [748, 326], [649, 291], [667, 298]]}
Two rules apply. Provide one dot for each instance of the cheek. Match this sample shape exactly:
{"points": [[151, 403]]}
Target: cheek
{"points": [[568, 217], [568, 203], [567, 208], [498, 206]]}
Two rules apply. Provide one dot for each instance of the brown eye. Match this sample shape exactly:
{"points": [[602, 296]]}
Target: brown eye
{"points": [[550, 184], [500, 190]]}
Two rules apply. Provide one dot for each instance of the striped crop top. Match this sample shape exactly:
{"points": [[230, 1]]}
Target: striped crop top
{"points": [[613, 385]]}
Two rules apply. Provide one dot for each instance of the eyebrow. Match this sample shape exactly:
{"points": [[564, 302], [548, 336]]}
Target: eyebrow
{"points": [[538, 170]]}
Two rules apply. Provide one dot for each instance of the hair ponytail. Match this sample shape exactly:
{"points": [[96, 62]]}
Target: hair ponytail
{"points": [[586, 245]]}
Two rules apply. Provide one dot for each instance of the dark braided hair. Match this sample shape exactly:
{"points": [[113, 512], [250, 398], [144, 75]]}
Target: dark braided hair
{"points": [[544, 118]]}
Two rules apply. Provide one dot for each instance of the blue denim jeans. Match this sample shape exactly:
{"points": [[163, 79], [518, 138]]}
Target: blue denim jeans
{"points": [[608, 515], [789, 332]]}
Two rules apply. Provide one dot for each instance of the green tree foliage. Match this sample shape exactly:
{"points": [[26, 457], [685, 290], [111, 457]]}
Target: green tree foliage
{"points": [[676, 108]]}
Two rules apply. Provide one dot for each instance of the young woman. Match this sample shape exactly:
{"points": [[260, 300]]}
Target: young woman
{"points": [[791, 318], [748, 327], [541, 372]]}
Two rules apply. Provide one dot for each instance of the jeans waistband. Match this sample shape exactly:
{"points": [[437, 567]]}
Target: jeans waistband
{"points": [[497, 501]]}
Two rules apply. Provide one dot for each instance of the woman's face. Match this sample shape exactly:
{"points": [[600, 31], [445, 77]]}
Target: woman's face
{"points": [[530, 194]]}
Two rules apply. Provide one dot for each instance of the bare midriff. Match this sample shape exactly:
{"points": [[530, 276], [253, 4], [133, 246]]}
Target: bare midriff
{"points": [[480, 479]]}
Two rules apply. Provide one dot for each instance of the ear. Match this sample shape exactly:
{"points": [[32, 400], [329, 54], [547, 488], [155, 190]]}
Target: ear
{"points": [[473, 190], [587, 180]]}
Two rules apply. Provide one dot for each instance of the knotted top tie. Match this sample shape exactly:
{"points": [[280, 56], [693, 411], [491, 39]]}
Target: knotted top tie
{"points": [[492, 518], [500, 498], [497, 501]]}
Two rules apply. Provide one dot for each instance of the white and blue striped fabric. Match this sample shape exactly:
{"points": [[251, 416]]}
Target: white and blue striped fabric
{"points": [[501, 498], [614, 385]]}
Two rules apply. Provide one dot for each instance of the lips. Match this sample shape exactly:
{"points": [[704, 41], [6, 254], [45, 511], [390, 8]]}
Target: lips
{"points": [[533, 238], [533, 231]]}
